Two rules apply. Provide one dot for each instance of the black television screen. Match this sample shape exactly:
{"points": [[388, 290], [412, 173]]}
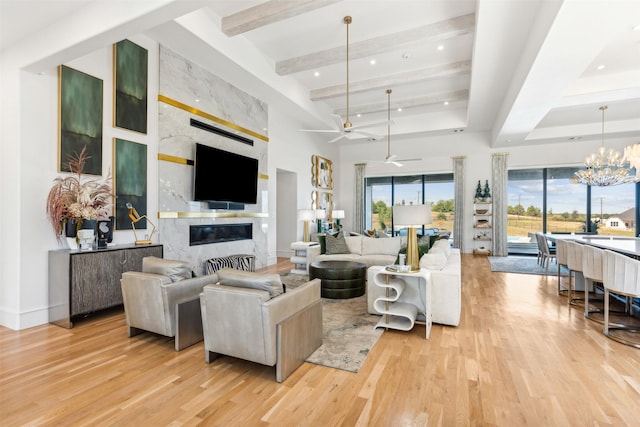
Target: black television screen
{"points": [[222, 176]]}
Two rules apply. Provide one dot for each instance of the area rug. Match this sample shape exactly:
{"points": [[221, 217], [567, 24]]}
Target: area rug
{"points": [[524, 265], [349, 332]]}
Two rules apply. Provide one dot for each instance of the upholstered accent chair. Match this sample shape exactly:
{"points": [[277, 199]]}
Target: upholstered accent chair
{"points": [[164, 299], [247, 316]]}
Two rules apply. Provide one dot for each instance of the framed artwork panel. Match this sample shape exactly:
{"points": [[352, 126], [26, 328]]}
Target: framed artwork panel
{"points": [[80, 119], [130, 182], [130, 76], [322, 172], [323, 200]]}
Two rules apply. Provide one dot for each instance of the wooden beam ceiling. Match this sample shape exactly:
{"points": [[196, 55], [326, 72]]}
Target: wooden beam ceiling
{"points": [[436, 31], [268, 13], [415, 76]]}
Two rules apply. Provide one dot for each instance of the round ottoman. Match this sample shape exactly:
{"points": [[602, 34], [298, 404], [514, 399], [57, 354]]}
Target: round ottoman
{"points": [[340, 279]]}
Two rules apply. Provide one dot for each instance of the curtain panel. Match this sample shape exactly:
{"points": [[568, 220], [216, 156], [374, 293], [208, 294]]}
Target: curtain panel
{"points": [[358, 200], [499, 176], [460, 211]]}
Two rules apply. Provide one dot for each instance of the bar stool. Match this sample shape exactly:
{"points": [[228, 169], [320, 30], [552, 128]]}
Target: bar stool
{"points": [[561, 259], [621, 276], [592, 270], [574, 263]]}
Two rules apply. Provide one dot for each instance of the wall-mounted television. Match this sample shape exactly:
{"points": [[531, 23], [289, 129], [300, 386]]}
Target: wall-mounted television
{"points": [[222, 176]]}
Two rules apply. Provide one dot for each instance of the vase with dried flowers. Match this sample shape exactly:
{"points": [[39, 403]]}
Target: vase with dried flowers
{"points": [[74, 199]]}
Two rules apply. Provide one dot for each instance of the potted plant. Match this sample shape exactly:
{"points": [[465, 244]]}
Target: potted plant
{"points": [[74, 200]]}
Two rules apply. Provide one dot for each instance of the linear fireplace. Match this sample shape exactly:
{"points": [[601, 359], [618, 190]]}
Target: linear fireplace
{"points": [[214, 233]]}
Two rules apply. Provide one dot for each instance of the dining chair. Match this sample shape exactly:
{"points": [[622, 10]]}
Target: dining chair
{"points": [[592, 264], [561, 260], [543, 246], [575, 265], [621, 276]]}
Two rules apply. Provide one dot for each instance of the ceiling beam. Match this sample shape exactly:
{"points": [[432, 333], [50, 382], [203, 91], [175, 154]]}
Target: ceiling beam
{"points": [[435, 99], [439, 71], [437, 31], [268, 13]]}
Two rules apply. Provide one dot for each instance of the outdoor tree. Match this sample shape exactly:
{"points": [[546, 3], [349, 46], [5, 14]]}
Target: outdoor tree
{"points": [[533, 211]]}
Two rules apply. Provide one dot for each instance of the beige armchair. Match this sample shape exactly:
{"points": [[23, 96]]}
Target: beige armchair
{"points": [[241, 319], [164, 299]]}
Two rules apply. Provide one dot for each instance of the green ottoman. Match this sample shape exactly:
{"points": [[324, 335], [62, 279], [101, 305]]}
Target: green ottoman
{"points": [[340, 279]]}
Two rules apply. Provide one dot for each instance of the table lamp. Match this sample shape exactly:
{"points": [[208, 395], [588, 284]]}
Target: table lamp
{"points": [[306, 215], [320, 215], [136, 217], [337, 215], [412, 216]]}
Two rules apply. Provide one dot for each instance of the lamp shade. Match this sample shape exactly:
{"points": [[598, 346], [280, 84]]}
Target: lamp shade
{"points": [[321, 214], [337, 214], [412, 214], [306, 214]]}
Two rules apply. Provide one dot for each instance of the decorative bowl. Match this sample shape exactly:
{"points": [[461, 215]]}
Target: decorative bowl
{"points": [[482, 211]]}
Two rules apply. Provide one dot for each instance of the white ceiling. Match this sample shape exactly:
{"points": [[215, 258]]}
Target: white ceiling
{"points": [[523, 70]]}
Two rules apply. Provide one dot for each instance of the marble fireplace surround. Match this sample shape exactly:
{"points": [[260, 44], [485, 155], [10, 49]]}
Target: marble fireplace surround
{"points": [[181, 83]]}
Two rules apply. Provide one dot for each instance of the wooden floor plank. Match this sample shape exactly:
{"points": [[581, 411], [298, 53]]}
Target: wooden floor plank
{"points": [[521, 356]]}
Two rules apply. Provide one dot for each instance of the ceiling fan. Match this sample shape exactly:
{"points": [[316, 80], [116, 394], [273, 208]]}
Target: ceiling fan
{"points": [[346, 128], [392, 158]]}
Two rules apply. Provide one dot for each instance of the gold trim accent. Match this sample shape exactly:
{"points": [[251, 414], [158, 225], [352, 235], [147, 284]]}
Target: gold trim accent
{"points": [[178, 215], [211, 117], [174, 159], [263, 176]]}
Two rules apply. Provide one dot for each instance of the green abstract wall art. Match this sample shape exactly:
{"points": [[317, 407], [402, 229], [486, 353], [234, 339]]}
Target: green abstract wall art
{"points": [[80, 108], [130, 63], [130, 178]]}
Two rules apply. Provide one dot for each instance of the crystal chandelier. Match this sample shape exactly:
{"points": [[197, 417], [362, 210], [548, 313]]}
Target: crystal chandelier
{"points": [[605, 167], [632, 155]]}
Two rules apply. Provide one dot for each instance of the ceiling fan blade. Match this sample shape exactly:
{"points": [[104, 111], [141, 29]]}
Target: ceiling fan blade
{"points": [[320, 130], [398, 164], [371, 125], [408, 160], [338, 138]]}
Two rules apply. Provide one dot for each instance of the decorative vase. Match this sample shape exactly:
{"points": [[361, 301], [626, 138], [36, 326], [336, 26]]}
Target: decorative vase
{"points": [[71, 227]]}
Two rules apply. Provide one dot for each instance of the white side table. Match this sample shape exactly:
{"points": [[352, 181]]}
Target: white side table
{"points": [[299, 258], [407, 298]]}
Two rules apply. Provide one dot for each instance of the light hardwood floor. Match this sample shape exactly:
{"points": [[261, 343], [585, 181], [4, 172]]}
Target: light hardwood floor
{"points": [[521, 356]]}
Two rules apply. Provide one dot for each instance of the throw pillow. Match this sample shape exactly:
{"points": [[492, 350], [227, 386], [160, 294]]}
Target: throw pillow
{"points": [[173, 269], [336, 245], [423, 248], [323, 242], [433, 261], [271, 283], [444, 244]]}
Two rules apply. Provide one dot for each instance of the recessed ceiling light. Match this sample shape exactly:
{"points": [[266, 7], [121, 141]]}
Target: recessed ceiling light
{"points": [[600, 67], [317, 73], [399, 109], [440, 47], [372, 62], [446, 102], [197, 100], [406, 55], [636, 28], [359, 115]]}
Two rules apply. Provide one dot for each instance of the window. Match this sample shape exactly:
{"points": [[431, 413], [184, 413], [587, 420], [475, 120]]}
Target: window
{"points": [[546, 200], [382, 193]]}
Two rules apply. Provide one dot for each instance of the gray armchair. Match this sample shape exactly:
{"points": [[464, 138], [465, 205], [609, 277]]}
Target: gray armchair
{"points": [[164, 299], [241, 319]]}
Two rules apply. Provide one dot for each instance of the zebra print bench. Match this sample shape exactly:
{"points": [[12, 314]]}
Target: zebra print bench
{"points": [[238, 262]]}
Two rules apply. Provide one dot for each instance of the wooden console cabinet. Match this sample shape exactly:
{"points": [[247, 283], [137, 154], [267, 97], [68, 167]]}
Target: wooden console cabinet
{"points": [[82, 282]]}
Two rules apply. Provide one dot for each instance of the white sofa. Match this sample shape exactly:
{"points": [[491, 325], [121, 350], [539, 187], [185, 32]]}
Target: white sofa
{"points": [[443, 262], [367, 250]]}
